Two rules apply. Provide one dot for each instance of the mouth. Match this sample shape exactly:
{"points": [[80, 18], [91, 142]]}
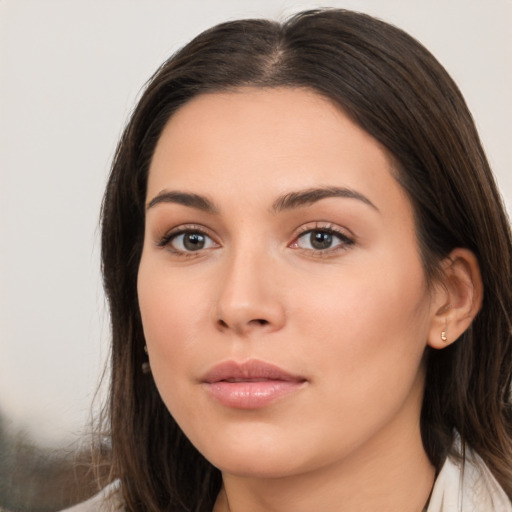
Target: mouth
{"points": [[250, 385]]}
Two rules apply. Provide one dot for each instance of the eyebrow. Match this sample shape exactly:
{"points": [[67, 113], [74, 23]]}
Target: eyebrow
{"points": [[312, 195], [184, 198], [286, 202]]}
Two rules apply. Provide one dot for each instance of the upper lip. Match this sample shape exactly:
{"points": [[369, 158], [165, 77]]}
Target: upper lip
{"points": [[252, 370]]}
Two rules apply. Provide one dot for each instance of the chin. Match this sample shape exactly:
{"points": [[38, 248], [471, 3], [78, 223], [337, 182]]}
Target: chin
{"points": [[262, 458], [258, 466]]}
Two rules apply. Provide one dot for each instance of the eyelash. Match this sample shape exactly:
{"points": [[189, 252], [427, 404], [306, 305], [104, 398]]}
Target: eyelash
{"points": [[345, 241]]}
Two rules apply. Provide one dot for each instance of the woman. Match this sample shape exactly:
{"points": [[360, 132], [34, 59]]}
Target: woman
{"points": [[308, 269]]}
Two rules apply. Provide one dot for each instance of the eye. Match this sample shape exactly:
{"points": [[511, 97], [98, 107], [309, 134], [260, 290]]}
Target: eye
{"points": [[187, 241], [322, 239]]}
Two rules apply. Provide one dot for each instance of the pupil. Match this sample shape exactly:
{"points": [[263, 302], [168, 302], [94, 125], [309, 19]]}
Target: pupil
{"points": [[193, 241], [321, 240]]}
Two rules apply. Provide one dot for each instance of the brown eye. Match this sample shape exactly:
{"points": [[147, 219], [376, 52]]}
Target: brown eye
{"points": [[322, 240], [193, 241], [190, 241]]}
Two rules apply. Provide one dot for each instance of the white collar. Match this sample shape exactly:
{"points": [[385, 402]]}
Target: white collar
{"points": [[467, 487]]}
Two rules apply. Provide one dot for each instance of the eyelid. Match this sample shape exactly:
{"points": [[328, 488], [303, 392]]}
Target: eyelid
{"points": [[324, 226]]}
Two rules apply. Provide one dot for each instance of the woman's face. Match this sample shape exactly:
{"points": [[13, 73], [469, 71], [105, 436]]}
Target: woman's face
{"points": [[283, 298]]}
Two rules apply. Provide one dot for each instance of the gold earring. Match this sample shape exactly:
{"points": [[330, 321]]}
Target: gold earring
{"points": [[444, 337]]}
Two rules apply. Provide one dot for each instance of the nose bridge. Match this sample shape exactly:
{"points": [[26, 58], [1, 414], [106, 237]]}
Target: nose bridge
{"points": [[248, 297]]}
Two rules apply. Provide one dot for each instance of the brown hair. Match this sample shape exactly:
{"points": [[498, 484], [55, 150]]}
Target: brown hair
{"points": [[394, 89]]}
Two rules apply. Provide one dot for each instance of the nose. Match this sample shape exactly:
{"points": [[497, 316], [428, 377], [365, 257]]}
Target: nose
{"points": [[250, 297]]}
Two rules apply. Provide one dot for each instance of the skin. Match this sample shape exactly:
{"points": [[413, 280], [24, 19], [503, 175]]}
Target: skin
{"points": [[352, 320]]}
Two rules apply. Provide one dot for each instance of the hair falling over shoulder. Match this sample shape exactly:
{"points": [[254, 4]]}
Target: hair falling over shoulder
{"points": [[392, 87]]}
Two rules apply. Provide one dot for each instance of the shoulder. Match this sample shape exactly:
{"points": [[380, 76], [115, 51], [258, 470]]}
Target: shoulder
{"points": [[107, 500], [468, 486]]}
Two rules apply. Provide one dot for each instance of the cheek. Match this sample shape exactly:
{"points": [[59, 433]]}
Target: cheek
{"points": [[366, 341], [172, 315], [371, 324], [170, 307]]}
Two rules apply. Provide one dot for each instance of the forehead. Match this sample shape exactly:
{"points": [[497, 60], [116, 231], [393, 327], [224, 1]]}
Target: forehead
{"points": [[267, 140]]}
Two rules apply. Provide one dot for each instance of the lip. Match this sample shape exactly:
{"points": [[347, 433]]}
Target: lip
{"points": [[252, 384]]}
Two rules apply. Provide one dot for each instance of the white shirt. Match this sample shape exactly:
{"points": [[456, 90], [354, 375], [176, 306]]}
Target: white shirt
{"points": [[468, 488]]}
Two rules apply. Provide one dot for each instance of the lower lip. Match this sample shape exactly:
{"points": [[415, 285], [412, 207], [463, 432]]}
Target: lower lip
{"points": [[252, 394]]}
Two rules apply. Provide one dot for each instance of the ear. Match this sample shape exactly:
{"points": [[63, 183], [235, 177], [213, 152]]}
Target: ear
{"points": [[457, 299]]}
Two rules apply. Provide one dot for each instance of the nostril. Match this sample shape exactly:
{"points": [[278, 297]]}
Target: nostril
{"points": [[241, 324]]}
